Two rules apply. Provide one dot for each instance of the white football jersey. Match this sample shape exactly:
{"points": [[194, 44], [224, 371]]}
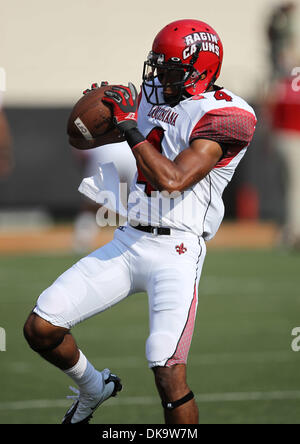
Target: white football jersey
{"points": [[218, 115]]}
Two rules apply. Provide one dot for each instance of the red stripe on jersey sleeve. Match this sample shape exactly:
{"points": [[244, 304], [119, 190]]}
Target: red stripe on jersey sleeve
{"points": [[231, 127]]}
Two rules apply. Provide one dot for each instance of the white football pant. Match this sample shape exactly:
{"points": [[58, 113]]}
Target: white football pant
{"points": [[167, 267]]}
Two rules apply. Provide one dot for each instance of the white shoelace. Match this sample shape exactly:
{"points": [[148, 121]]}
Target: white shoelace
{"points": [[81, 396], [74, 397]]}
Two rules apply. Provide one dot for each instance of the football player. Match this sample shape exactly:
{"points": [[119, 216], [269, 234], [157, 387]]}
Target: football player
{"points": [[187, 135]]}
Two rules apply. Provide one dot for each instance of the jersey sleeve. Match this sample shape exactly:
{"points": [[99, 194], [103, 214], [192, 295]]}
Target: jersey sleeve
{"points": [[231, 127]]}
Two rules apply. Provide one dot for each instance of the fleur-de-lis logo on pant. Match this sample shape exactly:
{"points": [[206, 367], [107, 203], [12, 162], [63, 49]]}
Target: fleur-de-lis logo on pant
{"points": [[180, 249]]}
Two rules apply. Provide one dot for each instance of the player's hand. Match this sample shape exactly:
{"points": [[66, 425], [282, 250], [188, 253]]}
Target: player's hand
{"points": [[123, 100], [95, 86]]}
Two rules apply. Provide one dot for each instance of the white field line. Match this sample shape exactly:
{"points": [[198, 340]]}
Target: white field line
{"points": [[152, 400], [199, 360], [206, 359]]}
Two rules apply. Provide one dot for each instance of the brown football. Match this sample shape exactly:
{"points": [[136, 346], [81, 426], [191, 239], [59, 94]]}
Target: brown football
{"points": [[90, 123]]}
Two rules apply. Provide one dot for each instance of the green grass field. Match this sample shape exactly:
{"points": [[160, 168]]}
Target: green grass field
{"points": [[241, 365]]}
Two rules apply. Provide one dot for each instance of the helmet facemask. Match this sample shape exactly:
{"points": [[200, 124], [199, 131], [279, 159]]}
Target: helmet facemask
{"points": [[165, 82]]}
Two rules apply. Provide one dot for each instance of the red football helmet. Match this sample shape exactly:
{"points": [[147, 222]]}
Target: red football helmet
{"points": [[192, 51]]}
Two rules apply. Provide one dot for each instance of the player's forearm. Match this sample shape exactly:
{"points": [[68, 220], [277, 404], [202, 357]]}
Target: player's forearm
{"points": [[162, 173]]}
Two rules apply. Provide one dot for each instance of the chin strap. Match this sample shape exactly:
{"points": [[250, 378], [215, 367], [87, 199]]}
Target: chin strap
{"points": [[174, 404], [185, 95], [212, 82]]}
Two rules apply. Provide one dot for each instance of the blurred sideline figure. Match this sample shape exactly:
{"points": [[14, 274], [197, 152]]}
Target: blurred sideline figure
{"points": [[280, 33], [85, 227], [283, 114], [284, 108], [6, 158]]}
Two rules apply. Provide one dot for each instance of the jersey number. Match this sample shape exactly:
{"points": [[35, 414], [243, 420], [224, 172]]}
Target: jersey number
{"points": [[221, 95], [155, 137]]}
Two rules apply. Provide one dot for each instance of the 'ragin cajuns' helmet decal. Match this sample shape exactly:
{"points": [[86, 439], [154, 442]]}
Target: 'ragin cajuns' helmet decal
{"points": [[190, 46]]}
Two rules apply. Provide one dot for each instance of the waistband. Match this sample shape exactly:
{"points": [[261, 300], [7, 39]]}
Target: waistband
{"points": [[154, 230]]}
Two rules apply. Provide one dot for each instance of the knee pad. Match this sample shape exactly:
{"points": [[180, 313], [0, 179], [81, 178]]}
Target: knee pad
{"points": [[52, 301], [159, 348], [55, 305]]}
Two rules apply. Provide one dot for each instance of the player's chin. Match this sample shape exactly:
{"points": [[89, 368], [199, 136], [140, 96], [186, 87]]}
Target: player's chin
{"points": [[171, 99]]}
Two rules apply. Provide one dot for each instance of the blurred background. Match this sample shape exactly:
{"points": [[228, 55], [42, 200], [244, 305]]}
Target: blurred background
{"points": [[49, 53]]}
